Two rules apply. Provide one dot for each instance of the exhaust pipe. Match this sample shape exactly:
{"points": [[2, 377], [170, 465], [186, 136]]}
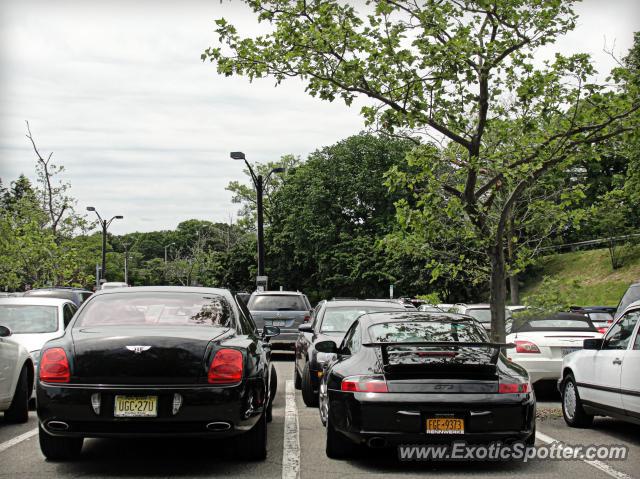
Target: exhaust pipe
{"points": [[377, 442], [57, 426], [218, 426]]}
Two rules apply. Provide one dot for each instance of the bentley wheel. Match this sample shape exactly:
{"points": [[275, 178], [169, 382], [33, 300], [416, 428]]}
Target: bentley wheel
{"points": [[18, 412], [252, 446], [59, 448], [297, 380], [273, 386], [572, 409]]}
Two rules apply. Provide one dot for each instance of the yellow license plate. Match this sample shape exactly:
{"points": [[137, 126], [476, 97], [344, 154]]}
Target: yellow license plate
{"points": [[445, 426], [136, 406]]}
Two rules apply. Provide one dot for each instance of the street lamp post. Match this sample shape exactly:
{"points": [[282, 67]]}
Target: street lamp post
{"points": [[258, 182], [104, 224], [165, 252]]}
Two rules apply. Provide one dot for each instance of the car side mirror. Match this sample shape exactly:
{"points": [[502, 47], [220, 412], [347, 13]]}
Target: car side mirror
{"points": [[4, 332], [305, 328], [594, 343], [270, 331], [326, 347]]}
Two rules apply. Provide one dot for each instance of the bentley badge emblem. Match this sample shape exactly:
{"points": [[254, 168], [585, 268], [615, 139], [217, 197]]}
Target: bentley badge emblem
{"points": [[138, 349]]}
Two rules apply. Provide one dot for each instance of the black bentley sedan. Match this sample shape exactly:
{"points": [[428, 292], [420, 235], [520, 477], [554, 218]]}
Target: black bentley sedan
{"points": [[157, 361], [330, 321], [420, 377]]}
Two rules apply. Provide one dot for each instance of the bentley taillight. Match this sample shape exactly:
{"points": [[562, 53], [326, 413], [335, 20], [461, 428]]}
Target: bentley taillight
{"points": [[226, 367], [54, 366]]}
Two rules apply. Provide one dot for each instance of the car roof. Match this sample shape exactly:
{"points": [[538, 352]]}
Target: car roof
{"points": [[634, 305], [276, 293], [35, 301], [162, 289], [401, 316], [363, 302]]}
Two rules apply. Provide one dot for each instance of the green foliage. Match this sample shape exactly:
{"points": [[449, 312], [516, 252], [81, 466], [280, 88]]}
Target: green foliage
{"points": [[463, 73]]}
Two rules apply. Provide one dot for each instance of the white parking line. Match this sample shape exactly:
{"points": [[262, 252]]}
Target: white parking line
{"points": [[606, 468], [291, 446], [18, 439]]}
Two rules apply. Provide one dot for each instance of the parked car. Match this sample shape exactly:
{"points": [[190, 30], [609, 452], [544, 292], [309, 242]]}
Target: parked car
{"points": [[113, 284], [16, 378], [330, 321], [157, 361], [284, 309], [630, 296], [243, 296], [406, 304], [77, 295], [34, 321], [430, 308], [542, 342], [414, 377], [482, 313], [600, 316], [603, 379]]}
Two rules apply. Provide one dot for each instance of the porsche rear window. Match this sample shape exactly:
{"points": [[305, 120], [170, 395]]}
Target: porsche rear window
{"points": [[151, 308], [426, 331], [557, 324]]}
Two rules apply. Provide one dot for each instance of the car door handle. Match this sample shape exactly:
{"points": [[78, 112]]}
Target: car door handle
{"points": [[617, 361]]}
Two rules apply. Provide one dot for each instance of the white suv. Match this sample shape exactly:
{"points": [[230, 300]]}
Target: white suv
{"points": [[604, 378], [16, 378]]}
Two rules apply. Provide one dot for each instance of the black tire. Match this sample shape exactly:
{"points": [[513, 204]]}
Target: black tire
{"points": [[273, 389], [531, 440], [252, 446], [309, 396], [576, 417], [18, 412], [338, 446], [59, 448], [297, 380]]}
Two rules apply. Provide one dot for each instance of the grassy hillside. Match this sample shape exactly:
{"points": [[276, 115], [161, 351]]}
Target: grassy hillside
{"points": [[586, 277]]}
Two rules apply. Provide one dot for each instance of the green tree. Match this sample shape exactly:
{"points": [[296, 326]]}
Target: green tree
{"points": [[460, 71]]}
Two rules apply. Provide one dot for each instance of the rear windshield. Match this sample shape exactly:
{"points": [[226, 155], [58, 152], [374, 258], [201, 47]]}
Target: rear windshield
{"points": [[277, 302], [152, 308], [484, 314], [600, 317], [340, 319], [557, 324], [27, 319], [426, 331]]}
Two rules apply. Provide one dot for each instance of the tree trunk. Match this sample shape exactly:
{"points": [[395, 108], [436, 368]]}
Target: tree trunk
{"points": [[498, 293], [514, 289]]}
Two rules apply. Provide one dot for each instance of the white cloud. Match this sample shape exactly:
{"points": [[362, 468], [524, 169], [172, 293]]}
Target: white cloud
{"points": [[118, 92]]}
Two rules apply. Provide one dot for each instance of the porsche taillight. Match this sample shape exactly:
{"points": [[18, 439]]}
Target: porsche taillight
{"points": [[364, 384], [226, 367], [526, 347], [54, 366], [513, 388]]}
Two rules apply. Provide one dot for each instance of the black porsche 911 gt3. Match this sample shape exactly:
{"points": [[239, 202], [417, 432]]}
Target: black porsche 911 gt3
{"points": [[157, 361], [422, 377]]}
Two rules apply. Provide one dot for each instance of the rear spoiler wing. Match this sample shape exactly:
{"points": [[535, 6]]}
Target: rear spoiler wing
{"points": [[449, 344]]}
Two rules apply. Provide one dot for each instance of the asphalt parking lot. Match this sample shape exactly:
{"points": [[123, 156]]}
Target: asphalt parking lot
{"points": [[300, 452]]}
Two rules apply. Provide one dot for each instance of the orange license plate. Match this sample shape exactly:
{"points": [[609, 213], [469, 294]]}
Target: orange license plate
{"points": [[442, 425]]}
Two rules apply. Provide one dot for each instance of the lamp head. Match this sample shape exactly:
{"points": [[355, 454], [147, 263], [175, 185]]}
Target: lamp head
{"points": [[237, 155]]}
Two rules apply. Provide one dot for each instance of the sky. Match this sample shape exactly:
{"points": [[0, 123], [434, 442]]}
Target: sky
{"points": [[117, 91]]}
